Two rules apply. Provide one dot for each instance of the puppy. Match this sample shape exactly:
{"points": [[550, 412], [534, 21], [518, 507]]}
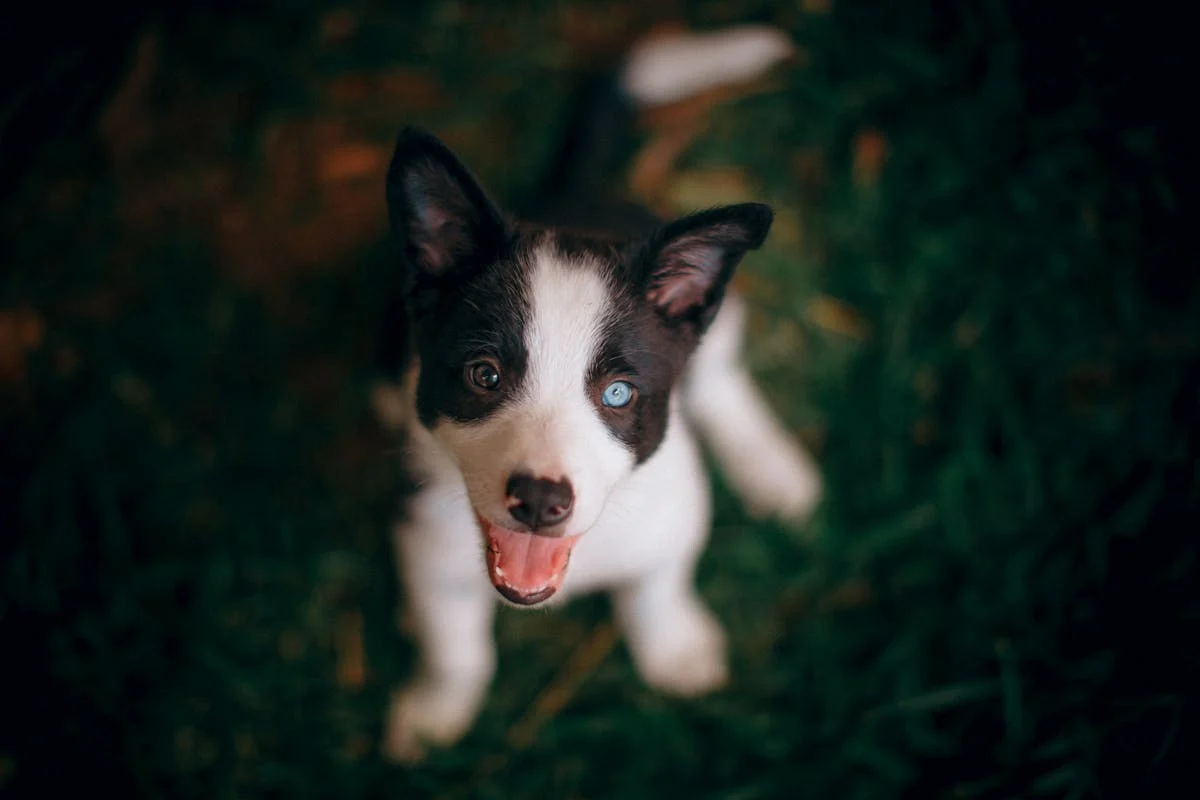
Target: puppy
{"points": [[551, 376]]}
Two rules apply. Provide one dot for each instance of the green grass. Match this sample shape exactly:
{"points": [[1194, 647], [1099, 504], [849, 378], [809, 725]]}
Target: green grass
{"points": [[994, 600]]}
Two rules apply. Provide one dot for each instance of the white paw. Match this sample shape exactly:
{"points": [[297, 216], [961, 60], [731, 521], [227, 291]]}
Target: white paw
{"points": [[428, 713], [688, 660]]}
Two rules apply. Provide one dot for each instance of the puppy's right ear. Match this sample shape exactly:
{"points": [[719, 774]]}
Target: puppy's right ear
{"points": [[439, 213]]}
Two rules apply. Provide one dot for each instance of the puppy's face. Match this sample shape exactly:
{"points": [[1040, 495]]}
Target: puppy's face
{"points": [[547, 360]]}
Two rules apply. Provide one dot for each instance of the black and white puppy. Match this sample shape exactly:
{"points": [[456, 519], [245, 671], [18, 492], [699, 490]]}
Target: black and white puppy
{"points": [[551, 377]]}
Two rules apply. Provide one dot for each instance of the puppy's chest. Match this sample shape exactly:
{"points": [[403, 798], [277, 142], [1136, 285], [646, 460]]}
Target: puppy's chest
{"points": [[661, 512]]}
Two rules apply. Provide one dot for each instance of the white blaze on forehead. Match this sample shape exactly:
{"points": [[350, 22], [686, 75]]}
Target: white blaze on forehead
{"points": [[569, 306], [560, 434]]}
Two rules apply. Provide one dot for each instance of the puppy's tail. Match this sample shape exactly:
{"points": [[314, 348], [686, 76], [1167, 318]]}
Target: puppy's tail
{"points": [[658, 70], [675, 66]]}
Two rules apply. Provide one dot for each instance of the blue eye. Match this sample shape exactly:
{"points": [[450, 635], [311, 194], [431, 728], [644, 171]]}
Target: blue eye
{"points": [[618, 394]]}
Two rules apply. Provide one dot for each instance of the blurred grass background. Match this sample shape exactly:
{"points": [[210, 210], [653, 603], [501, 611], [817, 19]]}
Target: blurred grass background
{"points": [[977, 307]]}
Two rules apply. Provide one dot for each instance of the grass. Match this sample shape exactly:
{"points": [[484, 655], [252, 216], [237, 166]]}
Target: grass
{"points": [[970, 308]]}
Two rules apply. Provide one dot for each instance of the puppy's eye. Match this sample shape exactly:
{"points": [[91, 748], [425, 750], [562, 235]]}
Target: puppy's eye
{"points": [[618, 394], [483, 375]]}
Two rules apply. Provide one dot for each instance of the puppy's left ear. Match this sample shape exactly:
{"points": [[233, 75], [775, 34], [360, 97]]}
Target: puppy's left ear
{"points": [[689, 262], [439, 212]]}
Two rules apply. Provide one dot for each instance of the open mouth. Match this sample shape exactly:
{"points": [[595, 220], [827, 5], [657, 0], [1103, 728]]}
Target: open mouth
{"points": [[525, 568]]}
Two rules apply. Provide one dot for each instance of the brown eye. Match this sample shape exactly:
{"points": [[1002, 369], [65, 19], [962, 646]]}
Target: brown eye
{"points": [[484, 375]]}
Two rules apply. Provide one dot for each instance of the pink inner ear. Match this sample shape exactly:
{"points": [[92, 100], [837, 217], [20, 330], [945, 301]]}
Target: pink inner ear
{"points": [[686, 274], [435, 260], [433, 240], [437, 228], [440, 239], [677, 295]]}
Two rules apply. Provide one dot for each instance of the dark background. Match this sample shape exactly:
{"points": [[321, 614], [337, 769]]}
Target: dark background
{"points": [[978, 307]]}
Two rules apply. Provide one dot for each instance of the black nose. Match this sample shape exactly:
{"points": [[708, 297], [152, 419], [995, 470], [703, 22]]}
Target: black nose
{"points": [[537, 502]]}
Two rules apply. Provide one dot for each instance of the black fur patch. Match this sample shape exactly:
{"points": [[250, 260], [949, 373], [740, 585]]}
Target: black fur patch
{"points": [[637, 348], [484, 318]]}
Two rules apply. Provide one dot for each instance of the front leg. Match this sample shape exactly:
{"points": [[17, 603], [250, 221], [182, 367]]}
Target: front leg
{"points": [[677, 645], [451, 609], [766, 467]]}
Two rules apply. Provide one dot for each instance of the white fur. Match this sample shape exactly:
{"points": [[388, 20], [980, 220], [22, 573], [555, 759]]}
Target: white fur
{"points": [[671, 67]]}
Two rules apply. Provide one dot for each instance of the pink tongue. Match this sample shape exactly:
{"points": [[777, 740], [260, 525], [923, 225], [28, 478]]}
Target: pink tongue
{"points": [[525, 562]]}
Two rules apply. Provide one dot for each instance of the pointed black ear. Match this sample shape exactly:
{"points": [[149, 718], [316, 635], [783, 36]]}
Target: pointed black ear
{"points": [[691, 260], [438, 211]]}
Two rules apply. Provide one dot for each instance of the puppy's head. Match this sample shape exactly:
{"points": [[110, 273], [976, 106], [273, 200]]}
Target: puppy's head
{"points": [[547, 360]]}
